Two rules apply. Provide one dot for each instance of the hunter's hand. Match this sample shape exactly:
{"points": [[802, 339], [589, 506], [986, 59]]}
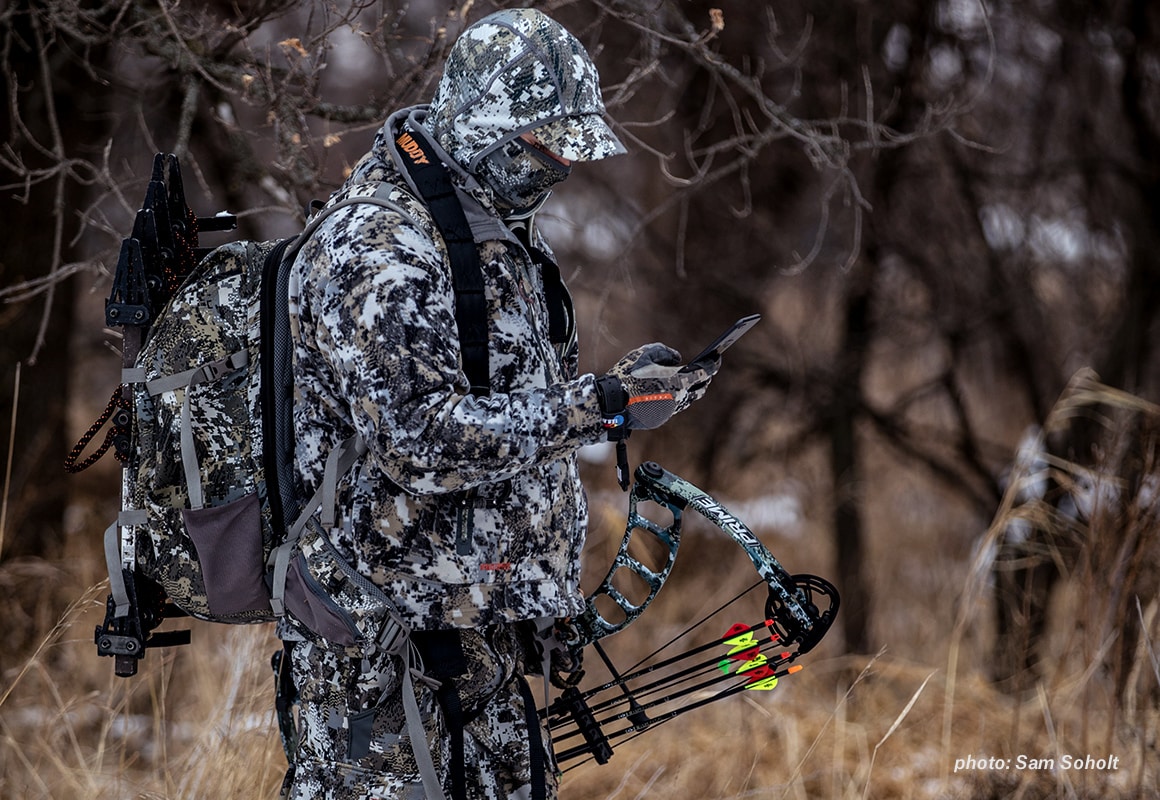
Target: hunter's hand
{"points": [[647, 386]]}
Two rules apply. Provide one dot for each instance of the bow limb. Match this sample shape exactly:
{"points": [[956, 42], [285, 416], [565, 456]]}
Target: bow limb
{"points": [[793, 602]]}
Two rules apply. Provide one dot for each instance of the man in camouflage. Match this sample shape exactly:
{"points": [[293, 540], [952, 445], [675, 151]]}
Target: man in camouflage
{"points": [[466, 509]]}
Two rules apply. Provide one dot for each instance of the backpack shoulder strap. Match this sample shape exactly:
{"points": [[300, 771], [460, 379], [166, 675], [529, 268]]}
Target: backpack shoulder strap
{"points": [[434, 184], [277, 379], [277, 371]]}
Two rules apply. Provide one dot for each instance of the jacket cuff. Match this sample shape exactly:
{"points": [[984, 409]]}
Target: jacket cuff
{"points": [[613, 402]]}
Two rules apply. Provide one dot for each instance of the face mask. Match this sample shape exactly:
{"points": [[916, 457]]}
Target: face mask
{"points": [[520, 176]]}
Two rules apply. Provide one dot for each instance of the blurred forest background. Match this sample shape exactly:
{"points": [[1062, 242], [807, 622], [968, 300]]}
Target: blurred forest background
{"points": [[947, 212]]}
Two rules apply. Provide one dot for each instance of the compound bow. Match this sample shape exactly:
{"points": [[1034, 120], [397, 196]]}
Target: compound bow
{"points": [[745, 658]]}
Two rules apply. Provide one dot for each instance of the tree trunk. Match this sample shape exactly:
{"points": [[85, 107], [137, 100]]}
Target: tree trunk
{"points": [[845, 464], [58, 105]]}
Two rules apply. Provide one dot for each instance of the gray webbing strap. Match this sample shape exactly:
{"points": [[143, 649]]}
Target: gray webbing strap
{"points": [[117, 589], [379, 198], [418, 734], [206, 373], [336, 467], [338, 463], [116, 576]]}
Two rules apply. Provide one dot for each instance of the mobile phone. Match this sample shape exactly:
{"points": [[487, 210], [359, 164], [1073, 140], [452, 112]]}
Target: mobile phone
{"points": [[724, 341]]}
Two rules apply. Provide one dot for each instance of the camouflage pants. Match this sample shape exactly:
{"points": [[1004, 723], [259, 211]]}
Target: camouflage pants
{"points": [[353, 742]]}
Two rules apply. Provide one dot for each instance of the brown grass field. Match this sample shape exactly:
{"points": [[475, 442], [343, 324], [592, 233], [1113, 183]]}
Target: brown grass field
{"points": [[918, 719]]}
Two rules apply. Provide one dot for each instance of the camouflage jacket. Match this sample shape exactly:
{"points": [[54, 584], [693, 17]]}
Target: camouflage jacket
{"points": [[426, 513]]}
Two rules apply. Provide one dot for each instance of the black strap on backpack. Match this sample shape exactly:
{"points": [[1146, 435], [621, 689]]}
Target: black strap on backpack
{"points": [[434, 184], [444, 660], [471, 318], [277, 397]]}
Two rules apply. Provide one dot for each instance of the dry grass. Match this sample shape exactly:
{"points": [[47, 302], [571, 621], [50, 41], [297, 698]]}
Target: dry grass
{"points": [[197, 721]]}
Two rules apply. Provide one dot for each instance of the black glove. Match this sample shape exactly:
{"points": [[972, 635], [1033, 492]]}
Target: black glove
{"points": [[646, 387]]}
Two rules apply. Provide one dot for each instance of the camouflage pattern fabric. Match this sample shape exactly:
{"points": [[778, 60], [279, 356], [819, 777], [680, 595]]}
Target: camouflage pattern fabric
{"points": [[372, 314], [376, 353], [519, 175], [353, 739], [211, 559], [518, 71], [467, 511]]}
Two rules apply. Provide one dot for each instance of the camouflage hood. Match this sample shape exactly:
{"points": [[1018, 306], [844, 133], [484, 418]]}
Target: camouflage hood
{"points": [[517, 71]]}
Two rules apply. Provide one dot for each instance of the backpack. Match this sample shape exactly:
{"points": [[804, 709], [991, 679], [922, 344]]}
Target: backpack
{"points": [[210, 517], [203, 425]]}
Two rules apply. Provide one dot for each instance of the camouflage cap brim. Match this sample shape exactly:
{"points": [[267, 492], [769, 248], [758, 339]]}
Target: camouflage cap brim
{"points": [[584, 137]]}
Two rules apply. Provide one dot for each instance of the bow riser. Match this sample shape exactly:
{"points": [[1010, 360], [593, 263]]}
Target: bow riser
{"points": [[592, 625]]}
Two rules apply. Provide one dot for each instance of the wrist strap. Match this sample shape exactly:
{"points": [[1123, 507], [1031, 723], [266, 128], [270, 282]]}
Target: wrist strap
{"points": [[613, 402]]}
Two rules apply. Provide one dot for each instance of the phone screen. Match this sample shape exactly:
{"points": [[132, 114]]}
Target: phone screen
{"points": [[725, 340]]}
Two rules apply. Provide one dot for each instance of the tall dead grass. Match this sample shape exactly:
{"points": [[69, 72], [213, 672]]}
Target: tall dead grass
{"points": [[196, 723], [920, 719]]}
